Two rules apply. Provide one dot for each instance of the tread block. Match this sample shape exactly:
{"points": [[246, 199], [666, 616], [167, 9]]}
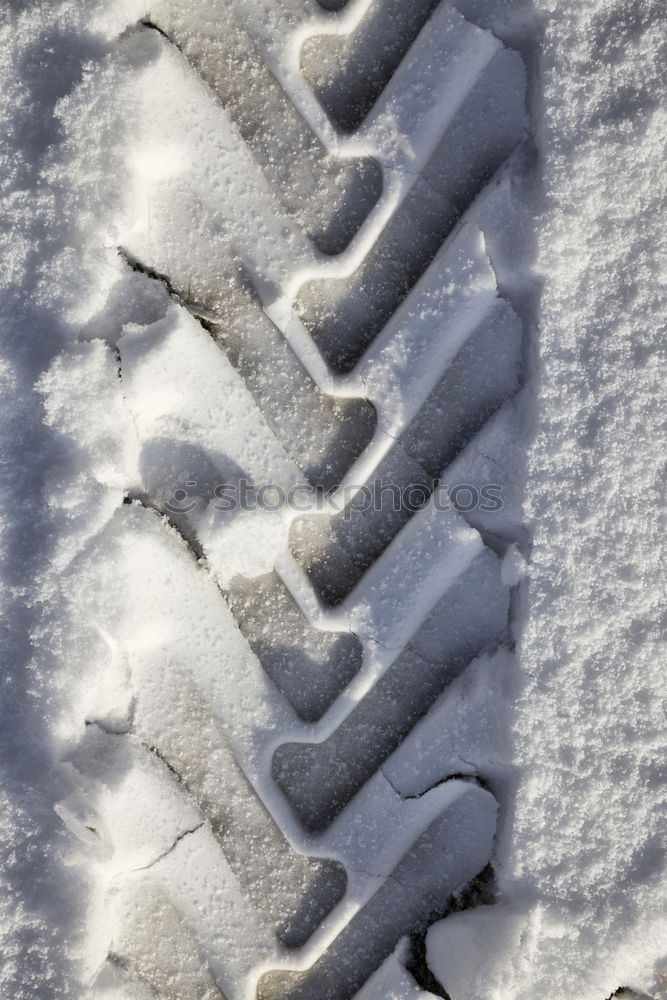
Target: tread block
{"points": [[344, 315], [444, 858], [320, 779], [309, 666], [322, 434], [336, 552], [329, 197]]}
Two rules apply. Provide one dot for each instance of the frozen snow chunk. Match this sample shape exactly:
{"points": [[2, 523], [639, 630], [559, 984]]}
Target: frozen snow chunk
{"points": [[479, 954], [513, 567], [392, 981]]}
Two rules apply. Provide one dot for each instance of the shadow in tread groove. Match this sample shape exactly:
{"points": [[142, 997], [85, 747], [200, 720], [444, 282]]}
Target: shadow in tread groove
{"points": [[311, 667], [332, 5], [322, 434], [349, 72]]}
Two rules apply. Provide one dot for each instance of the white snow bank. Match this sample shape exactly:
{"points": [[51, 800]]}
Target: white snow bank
{"points": [[582, 863]]}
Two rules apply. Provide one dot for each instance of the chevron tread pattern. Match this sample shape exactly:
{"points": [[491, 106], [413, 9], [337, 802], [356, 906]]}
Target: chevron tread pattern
{"points": [[366, 616]]}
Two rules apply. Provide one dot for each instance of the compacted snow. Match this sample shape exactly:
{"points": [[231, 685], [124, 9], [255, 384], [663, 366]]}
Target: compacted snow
{"points": [[129, 661]]}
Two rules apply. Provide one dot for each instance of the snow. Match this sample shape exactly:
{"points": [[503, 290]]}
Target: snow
{"points": [[581, 866], [116, 633], [61, 189]]}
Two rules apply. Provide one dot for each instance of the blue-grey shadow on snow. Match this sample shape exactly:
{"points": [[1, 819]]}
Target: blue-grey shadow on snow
{"points": [[40, 892]]}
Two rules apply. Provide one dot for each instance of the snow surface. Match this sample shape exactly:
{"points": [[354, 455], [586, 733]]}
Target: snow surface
{"points": [[582, 861], [97, 137]]}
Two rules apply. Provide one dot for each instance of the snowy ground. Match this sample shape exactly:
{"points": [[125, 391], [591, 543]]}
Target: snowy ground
{"points": [[109, 141], [583, 854]]}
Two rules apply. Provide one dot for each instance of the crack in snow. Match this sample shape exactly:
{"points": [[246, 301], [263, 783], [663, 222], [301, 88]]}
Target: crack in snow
{"points": [[169, 850], [205, 319], [470, 779], [192, 544]]}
